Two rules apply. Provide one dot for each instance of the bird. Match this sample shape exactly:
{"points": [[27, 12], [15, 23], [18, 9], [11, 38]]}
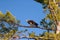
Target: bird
{"points": [[32, 23]]}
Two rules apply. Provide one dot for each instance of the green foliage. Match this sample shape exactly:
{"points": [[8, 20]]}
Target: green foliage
{"points": [[47, 24], [8, 25], [51, 18], [43, 2], [32, 35], [1, 15], [52, 36]]}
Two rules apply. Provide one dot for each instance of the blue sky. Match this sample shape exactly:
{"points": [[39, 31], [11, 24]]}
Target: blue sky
{"points": [[23, 10]]}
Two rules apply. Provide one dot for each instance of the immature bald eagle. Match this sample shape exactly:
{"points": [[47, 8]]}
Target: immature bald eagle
{"points": [[32, 23]]}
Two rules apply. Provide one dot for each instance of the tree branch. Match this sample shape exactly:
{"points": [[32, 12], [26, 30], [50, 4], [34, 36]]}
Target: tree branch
{"points": [[35, 27]]}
